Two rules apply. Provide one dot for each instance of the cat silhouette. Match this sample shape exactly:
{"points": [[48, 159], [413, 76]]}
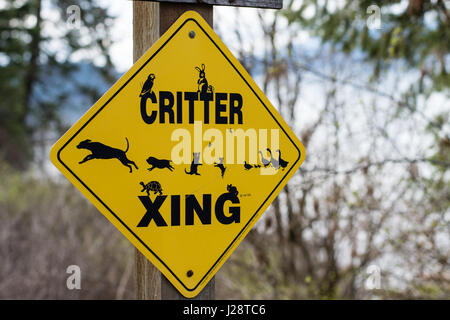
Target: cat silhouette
{"points": [[194, 164]]}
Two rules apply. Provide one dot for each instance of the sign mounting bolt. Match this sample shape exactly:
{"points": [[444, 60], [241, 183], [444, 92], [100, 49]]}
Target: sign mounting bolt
{"points": [[191, 34]]}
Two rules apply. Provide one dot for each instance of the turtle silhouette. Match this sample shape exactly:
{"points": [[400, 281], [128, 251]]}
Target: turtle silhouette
{"points": [[151, 186]]}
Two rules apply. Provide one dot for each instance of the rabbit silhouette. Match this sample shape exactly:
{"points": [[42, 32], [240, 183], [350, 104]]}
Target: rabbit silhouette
{"points": [[202, 82]]}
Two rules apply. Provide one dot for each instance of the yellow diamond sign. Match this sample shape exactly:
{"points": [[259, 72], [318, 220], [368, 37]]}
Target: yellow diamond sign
{"points": [[183, 154]]}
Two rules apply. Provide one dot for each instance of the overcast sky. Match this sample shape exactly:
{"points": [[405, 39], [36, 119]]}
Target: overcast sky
{"points": [[122, 48]]}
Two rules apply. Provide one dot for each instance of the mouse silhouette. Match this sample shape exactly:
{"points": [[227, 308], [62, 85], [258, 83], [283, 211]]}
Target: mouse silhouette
{"points": [[232, 189]]}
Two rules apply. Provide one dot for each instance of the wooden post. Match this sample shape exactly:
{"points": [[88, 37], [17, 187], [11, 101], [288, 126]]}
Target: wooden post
{"points": [[145, 33], [150, 21], [170, 11]]}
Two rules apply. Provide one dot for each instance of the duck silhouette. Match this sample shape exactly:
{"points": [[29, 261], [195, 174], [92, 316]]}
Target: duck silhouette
{"points": [[283, 163], [264, 161], [275, 163]]}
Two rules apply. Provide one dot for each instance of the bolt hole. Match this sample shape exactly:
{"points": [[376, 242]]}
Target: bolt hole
{"points": [[191, 34], [190, 273]]}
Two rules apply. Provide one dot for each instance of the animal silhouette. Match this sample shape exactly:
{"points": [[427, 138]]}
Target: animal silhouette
{"points": [[232, 189], [148, 93], [282, 162], [220, 166], [202, 82], [264, 161], [275, 163], [148, 84], [101, 151], [159, 164], [194, 164], [151, 186], [247, 166]]}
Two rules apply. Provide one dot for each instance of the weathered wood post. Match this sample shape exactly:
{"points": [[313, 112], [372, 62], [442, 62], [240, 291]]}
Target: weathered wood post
{"points": [[145, 33], [200, 247], [150, 21]]}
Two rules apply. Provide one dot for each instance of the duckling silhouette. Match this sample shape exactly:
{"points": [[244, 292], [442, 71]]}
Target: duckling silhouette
{"points": [[247, 166], [275, 163], [264, 161], [282, 162]]}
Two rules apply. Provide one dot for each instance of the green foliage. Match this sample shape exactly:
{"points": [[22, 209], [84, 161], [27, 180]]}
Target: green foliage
{"points": [[32, 47], [413, 31]]}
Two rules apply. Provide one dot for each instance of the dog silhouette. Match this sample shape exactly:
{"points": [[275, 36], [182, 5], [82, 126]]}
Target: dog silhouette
{"points": [[101, 151]]}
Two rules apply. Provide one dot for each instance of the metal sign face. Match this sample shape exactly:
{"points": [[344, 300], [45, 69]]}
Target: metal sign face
{"points": [[183, 154]]}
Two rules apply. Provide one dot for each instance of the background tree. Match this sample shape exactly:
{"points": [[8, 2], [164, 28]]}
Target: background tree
{"points": [[373, 191], [36, 51], [374, 188], [413, 31]]}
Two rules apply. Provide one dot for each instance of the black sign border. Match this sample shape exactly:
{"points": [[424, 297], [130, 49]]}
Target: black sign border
{"points": [[118, 218]]}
